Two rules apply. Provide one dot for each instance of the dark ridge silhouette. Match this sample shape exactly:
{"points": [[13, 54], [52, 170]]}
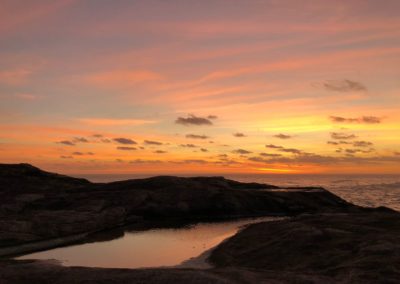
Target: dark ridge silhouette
{"points": [[25, 178]]}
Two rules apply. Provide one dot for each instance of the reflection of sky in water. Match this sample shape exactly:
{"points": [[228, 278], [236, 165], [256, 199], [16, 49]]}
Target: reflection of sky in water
{"points": [[159, 247]]}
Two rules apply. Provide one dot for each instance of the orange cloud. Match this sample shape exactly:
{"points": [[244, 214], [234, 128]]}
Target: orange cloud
{"points": [[259, 65], [28, 129], [114, 121]]}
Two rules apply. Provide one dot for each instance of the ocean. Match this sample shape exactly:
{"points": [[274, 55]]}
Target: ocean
{"points": [[363, 190]]}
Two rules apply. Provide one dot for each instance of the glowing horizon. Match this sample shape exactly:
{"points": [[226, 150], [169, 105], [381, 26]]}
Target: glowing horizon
{"points": [[155, 87]]}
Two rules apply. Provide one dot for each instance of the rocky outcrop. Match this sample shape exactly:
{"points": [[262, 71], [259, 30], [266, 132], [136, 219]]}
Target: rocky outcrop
{"points": [[327, 241], [37, 205], [339, 248]]}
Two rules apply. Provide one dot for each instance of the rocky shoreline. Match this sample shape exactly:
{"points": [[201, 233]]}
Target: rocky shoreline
{"points": [[37, 206], [327, 240]]}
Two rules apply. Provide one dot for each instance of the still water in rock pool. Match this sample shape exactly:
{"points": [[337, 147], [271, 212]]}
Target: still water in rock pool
{"points": [[150, 248]]}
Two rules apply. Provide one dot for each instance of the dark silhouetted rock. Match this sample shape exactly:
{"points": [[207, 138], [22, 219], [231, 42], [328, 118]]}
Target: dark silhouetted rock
{"points": [[37, 205], [340, 248]]}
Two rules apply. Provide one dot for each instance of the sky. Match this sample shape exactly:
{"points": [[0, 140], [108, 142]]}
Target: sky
{"points": [[184, 86]]}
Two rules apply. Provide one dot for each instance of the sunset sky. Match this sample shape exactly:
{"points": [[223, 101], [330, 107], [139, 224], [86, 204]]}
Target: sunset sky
{"points": [[222, 86]]}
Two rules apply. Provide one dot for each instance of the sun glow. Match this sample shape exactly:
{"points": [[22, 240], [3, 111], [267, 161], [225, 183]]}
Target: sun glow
{"points": [[276, 170]]}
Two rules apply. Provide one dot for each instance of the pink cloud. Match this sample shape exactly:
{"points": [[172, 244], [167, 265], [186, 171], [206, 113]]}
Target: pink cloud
{"points": [[15, 77], [121, 78], [13, 15]]}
